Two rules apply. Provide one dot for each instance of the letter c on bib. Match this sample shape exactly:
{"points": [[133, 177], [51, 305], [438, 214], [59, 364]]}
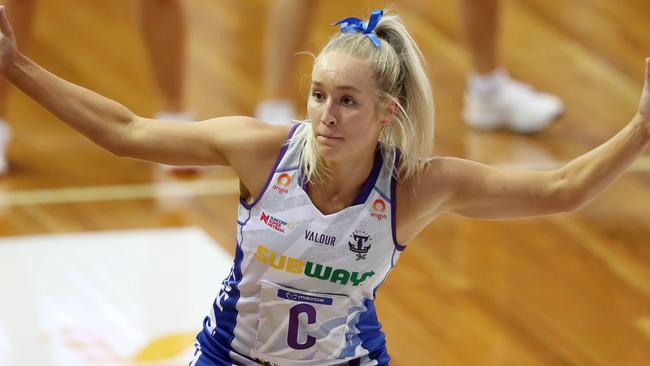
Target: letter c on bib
{"points": [[292, 335]]}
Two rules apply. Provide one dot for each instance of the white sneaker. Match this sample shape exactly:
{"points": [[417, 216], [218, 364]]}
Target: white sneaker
{"points": [[180, 117], [496, 101], [5, 136], [276, 112]]}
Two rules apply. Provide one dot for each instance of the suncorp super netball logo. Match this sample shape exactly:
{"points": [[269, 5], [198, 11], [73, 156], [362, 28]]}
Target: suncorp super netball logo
{"points": [[281, 184], [378, 207], [277, 224]]}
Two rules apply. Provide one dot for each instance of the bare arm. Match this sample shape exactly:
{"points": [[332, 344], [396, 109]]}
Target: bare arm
{"points": [[109, 124], [480, 191], [220, 141], [587, 176], [102, 120]]}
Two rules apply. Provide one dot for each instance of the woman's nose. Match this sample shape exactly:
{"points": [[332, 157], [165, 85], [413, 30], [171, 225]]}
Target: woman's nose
{"points": [[328, 117]]}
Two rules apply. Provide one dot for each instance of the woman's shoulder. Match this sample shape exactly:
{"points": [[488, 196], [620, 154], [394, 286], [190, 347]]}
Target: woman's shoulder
{"points": [[261, 137], [420, 197], [256, 161], [430, 167], [275, 133], [440, 178], [436, 168], [431, 182]]}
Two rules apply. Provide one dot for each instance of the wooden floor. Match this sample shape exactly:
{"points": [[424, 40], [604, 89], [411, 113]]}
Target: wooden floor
{"points": [[571, 289]]}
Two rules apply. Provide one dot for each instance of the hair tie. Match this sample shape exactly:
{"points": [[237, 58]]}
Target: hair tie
{"points": [[356, 25]]}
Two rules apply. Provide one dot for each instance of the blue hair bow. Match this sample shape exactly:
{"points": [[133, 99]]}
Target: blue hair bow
{"points": [[356, 25]]}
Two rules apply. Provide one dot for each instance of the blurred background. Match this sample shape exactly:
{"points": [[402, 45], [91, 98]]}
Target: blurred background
{"points": [[113, 261]]}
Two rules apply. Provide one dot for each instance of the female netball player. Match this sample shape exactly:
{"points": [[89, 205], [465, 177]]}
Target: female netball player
{"points": [[328, 205]]}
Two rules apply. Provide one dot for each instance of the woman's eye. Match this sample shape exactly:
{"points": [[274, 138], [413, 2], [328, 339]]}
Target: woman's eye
{"points": [[347, 101], [318, 96]]}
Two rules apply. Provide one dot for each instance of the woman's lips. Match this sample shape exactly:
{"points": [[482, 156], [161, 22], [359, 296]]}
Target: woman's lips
{"points": [[328, 139]]}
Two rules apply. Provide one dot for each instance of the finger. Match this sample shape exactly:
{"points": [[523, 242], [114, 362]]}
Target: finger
{"points": [[5, 27]]}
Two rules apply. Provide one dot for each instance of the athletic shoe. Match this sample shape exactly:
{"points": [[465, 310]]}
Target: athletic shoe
{"points": [[496, 101]]}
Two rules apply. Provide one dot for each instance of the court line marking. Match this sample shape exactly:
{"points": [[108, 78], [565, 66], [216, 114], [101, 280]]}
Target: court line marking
{"points": [[161, 190], [201, 187]]}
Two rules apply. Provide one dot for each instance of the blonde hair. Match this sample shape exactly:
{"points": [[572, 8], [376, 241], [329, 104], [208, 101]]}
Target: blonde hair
{"points": [[398, 67]]}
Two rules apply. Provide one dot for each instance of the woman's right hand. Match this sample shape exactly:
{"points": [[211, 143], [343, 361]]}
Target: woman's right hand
{"points": [[8, 47]]}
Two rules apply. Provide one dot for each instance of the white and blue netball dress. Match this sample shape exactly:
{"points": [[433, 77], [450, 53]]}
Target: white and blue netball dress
{"points": [[302, 288]]}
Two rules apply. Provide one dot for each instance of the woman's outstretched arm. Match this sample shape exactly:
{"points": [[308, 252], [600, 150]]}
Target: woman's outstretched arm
{"points": [[219, 141], [480, 191]]}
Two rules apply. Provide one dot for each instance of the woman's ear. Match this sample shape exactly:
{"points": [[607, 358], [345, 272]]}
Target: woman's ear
{"points": [[390, 110]]}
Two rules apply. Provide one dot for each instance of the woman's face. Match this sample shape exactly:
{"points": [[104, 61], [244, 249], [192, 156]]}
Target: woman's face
{"points": [[343, 106]]}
